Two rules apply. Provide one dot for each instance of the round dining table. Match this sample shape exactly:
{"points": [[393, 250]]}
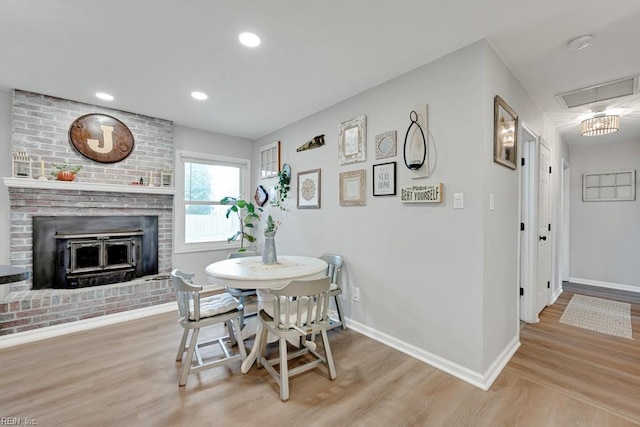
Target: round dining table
{"points": [[251, 273]]}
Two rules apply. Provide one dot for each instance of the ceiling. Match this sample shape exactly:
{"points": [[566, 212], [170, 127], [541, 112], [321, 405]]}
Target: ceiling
{"points": [[151, 54]]}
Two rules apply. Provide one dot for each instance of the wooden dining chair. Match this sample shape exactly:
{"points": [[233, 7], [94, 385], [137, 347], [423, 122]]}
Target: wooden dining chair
{"points": [[242, 294], [334, 271], [195, 313], [299, 309]]}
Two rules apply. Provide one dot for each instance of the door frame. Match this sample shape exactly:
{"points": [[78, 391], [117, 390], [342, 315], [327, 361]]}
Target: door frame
{"points": [[529, 217], [564, 270]]}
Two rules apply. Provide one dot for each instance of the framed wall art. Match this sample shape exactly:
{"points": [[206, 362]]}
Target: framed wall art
{"points": [[384, 179], [386, 145], [101, 138], [505, 134], [270, 160], [352, 188], [352, 141], [309, 190]]}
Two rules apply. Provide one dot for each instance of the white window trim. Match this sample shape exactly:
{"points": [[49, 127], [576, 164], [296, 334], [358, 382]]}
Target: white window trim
{"points": [[178, 231]]}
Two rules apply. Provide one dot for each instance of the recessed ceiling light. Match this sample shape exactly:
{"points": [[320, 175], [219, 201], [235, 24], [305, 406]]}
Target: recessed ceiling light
{"points": [[249, 39], [104, 96], [199, 96]]}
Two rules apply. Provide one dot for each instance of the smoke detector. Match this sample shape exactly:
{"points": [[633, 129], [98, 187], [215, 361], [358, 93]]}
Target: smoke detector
{"points": [[581, 42]]}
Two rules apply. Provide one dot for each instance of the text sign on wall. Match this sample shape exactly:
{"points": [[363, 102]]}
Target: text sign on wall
{"points": [[421, 194]]}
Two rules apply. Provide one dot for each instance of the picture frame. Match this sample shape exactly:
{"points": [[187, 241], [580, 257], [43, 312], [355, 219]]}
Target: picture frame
{"points": [[270, 160], [273, 196], [309, 189], [384, 179], [386, 145], [352, 188], [352, 141], [166, 178], [505, 134]]}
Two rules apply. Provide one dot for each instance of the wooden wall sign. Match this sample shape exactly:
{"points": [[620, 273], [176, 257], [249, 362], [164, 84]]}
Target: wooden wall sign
{"points": [[421, 194], [102, 138]]}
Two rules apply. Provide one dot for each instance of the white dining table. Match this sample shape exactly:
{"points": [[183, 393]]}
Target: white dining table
{"points": [[251, 273]]}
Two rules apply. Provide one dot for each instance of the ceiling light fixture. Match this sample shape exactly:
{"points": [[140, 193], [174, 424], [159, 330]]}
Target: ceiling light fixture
{"points": [[249, 39], [104, 96], [200, 96], [581, 42], [601, 124]]}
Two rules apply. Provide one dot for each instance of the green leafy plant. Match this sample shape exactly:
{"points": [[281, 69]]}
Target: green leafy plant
{"points": [[282, 189], [272, 226], [65, 167], [247, 213]]}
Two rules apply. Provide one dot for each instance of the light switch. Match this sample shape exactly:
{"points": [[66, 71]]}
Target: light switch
{"points": [[458, 200], [492, 202]]}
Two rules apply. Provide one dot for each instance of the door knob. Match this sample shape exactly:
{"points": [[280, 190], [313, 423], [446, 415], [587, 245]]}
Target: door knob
{"points": [[542, 237]]}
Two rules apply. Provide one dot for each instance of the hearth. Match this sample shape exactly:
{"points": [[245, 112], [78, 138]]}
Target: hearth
{"points": [[80, 251]]}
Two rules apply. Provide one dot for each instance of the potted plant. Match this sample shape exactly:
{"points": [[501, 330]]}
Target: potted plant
{"points": [[65, 171], [269, 255], [282, 186], [247, 213]]}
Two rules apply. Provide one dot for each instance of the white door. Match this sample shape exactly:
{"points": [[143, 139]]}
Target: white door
{"points": [[543, 270]]}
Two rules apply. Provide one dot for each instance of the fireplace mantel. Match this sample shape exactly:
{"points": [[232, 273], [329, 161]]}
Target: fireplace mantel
{"points": [[85, 186]]}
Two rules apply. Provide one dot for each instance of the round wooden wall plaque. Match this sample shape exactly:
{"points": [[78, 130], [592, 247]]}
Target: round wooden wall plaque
{"points": [[102, 138]]}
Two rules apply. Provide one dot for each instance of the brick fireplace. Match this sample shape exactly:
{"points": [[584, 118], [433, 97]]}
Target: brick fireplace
{"points": [[39, 126]]}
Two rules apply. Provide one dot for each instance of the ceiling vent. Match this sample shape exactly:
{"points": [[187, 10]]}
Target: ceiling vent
{"points": [[601, 92]]}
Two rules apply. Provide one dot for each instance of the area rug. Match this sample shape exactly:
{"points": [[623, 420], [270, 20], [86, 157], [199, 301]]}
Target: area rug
{"points": [[599, 315]]}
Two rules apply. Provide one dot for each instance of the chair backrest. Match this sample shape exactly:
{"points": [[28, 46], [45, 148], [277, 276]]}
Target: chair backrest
{"points": [[187, 294], [241, 254], [302, 304], [334, 268]]}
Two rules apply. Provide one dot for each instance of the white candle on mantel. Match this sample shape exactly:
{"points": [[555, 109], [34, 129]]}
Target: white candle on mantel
{"points": [[150, 179], [42, 177]]}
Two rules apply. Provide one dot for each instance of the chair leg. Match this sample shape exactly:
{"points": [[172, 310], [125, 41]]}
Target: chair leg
{"points": [[232, 334], [284, 371], [241, 299], [328, 355], [187, 362], [340, 311], [183, 341], [239, 340]]}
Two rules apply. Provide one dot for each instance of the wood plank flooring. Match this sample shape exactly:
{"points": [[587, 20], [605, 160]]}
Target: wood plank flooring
{"points": [[125, 375]]}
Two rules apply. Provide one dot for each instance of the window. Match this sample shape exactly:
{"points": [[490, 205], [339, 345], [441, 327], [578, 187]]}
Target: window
{"points": [[202, 181]]}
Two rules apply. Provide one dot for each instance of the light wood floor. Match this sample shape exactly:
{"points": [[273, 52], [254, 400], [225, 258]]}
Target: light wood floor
{"points": [[125, 375]]}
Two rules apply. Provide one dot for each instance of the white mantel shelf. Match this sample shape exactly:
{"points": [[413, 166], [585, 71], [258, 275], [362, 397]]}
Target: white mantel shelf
{"points": [[85, 186]]}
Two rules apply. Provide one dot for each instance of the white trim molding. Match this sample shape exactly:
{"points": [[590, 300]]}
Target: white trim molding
{"points": [[609, 285], [83, 325], [480, 380]]}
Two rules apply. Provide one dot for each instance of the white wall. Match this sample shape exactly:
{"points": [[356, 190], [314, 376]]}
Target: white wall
{"points": [[605, 236], [189, 139], [6, 100], [424, 274], [501, 226]]}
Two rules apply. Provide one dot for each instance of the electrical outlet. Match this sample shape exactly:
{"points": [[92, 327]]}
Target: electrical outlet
{"points": [[355, 294]]}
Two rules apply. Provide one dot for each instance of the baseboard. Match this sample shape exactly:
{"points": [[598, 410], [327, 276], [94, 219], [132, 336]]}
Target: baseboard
{"points": [[83, 325], [609, 285], [555, 295], [482, 381]]}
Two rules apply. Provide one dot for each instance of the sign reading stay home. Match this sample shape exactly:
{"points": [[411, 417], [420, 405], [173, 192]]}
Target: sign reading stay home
{"points": [[421, 194]]}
